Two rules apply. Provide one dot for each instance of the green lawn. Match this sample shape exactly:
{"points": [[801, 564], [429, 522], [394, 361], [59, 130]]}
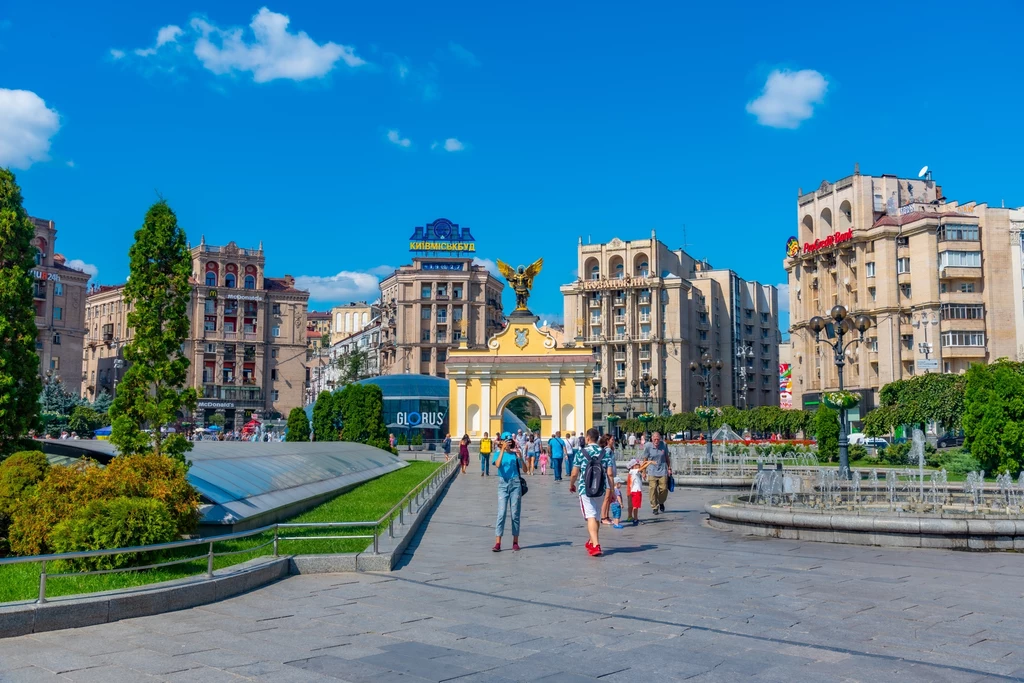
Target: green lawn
{"points": [[368, 501]]}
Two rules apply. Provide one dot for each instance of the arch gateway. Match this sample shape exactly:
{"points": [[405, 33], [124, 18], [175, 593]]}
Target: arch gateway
{"points": [[520, 361]]}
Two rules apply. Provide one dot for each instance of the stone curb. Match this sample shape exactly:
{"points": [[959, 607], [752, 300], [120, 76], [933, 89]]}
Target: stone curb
{"points": [[22, 618], [881, 530]]}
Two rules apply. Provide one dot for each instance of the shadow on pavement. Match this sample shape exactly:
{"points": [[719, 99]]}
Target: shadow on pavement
{"points": [[414, 543], [634, 549]]}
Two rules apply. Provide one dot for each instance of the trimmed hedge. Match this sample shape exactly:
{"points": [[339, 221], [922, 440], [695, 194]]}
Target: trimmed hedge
{"points": [[116, 523]]}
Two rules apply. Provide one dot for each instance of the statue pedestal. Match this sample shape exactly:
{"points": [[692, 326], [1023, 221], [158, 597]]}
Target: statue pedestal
{"points": [[523, 318]]}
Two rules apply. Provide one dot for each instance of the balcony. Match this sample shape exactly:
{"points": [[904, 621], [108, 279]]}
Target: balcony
{"points": [[229, 335], [963, 351], [39, 290], [595, 303], [646, 335], [620, 337], [645, 355], [619, 301], [959, 273], [620, 374], [966, 325], [619, 356], [620, 320], [644, 299], [231, 393]]}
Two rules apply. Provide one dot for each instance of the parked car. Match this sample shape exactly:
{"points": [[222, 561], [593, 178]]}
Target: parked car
{"points": [[875, 442], [950, 440]]}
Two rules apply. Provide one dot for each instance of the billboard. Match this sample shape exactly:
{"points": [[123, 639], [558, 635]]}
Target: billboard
{"points": [[785, 386], [442, 237]]}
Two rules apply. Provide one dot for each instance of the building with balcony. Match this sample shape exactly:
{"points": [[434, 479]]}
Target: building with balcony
{"points": [[931, 274], [347, 319], [329, 369], [247, 345], [58, 294], [648, 311], [430, 306], [318, 330]]}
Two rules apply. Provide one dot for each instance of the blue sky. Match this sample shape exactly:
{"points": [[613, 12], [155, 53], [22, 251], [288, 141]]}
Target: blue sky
{"points": [[330, 130]]}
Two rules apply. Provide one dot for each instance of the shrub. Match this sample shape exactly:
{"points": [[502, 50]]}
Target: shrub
{"points": [[19, 474], [858, 451], [298, 425], [159, 477], [896, 454], [57, 497], [119, 522], [826, 429], [958, 461]]}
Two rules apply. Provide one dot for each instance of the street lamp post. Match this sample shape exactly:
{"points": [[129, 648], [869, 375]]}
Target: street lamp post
{"points": [[923, 320], [646, 384], [609, 395], [845, 325], [706, 367], [743, 352]]}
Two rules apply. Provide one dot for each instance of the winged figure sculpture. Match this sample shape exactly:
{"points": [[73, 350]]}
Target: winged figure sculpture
{"points": [[521, 280]]}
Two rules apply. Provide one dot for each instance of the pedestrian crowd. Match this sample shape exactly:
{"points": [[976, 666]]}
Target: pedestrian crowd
{"points": [[588, 460]]}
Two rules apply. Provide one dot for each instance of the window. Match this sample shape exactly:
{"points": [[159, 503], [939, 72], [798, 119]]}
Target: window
{"points": [[764, 318], [963, 338], [58, 313], [211, 278], [764, 333], [871, 293], [210, 325], [275, 309], [967, 287], [749, 312], [273, 353], [942, 288], [442, 315], [749, 329], [275, 331], [55, 363], [229, 280], [424, 355], [425, 313], [457, 315], [703, 335], [869, 269], [873, 344], [210, 307], [56, 339], [456, 294], [425, 336], [902, 241], [250, 282], [273, 374], [903, 265], [905, 291], [958, 233], [962, 312], [211, 348], [425, 292], [39, 257], [442, 355], [764, 348], [960, 259], [907, 341], [58, 289], [442, 337]]}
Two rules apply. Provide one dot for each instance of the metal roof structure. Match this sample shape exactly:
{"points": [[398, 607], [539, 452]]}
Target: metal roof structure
{"points": [[242, 480]]}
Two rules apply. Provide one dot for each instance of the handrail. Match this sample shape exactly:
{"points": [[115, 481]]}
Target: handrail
{"points": [[387, 518]]}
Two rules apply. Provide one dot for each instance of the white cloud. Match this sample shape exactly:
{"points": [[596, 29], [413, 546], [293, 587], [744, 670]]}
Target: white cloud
{"points": [[783, 288], [453, 145], [463, 55], [488, 264], [396, 138], [382, 271], [26, 126], [70, 163], [788, 98], [117, 54], [79, 264], [274, 53], [167, 34], [345, 286]]}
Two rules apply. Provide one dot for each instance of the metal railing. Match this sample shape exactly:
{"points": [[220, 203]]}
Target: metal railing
{"points": [[418, 495]]}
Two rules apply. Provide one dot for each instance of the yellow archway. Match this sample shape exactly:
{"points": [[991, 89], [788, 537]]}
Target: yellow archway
{"points": [[520, 361]]}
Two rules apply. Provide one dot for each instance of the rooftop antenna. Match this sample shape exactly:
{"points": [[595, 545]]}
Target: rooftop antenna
{"points": [[685, 242], [924, 173]]}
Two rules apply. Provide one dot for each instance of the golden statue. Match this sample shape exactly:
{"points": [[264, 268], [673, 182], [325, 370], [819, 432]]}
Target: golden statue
{"points": [[521, 281]]}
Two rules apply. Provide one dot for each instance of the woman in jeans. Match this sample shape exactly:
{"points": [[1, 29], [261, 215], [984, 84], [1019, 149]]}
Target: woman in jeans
{"points": [[507, 459]]}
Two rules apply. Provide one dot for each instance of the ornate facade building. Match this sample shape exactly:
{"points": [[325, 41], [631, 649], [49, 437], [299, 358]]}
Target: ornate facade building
{"points": [[58, 293], [648, 311], [248, 342], [930, 273], [347, 320]]}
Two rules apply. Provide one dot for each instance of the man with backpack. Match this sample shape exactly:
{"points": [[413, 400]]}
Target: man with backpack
{"points": [[593, 472]]}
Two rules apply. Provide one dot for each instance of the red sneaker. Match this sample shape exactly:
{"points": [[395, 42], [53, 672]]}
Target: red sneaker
{"points": [[515, 547], [588, 545], [594, 550], [496, 548]]}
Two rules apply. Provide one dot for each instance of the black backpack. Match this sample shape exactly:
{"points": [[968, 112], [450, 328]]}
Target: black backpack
{"points": [[595, 478]]}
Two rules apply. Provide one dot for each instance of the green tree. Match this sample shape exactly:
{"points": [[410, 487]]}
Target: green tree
{"points": [[325, 427], [533, 424], [826, 430], [362, 415], [993, 418], [84, 421], [216, 420], [102, 403], [352, 366], [157, 294], [932, 397], [19, 365], [735, 418], [57, 398], [298, 426]]}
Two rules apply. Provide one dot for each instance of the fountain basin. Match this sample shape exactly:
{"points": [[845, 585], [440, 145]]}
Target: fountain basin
{"points": [[980, 529]]}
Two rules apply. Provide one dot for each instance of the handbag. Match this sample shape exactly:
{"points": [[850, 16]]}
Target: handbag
{"points": [[523, 488], [671, 484]]}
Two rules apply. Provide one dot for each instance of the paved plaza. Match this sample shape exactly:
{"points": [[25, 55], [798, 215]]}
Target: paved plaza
{"points": [[671, 600]]}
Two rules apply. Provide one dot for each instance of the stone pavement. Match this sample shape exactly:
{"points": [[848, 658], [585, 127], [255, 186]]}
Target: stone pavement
{"points": [[671, 600]]}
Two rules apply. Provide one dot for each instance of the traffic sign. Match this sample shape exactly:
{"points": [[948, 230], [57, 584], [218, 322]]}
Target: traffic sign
{"points": [[931, 364]]}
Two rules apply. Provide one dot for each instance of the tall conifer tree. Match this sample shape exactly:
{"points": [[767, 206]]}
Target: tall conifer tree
{"points": [[19, 365], [151, 394]]}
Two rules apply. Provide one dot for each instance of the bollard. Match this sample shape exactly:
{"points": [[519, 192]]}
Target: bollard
{"points": [[42, 585], [391, 528], [401, 515], [375, 534], [209, 562]]}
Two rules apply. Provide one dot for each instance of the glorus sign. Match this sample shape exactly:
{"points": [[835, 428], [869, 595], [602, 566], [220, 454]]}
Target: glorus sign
{"points": [[420, 419]]}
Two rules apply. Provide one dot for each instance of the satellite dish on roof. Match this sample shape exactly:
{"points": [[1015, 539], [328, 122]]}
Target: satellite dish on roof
{"points": [[923, 172]]}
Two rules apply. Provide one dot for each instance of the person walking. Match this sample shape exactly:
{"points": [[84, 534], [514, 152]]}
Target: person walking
{"points": [[557, 448], [570, 452], [533, 453], [510, 495], [592, 475], [464, 452], [607, 444], [658, 472], [446, 446], [485, 455]]}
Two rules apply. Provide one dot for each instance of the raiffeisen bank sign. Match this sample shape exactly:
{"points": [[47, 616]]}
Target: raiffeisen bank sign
{"points": [[442, 237]]}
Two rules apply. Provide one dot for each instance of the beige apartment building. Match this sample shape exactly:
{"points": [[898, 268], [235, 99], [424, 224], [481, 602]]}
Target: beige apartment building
{"points": [[247, 344], [318, 331], [348, 319], [427, 308], [648, 311], [58, 294], [931, 273]]}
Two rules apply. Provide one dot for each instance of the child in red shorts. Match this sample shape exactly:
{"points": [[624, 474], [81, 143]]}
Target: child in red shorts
{"points": [[634, 485]]}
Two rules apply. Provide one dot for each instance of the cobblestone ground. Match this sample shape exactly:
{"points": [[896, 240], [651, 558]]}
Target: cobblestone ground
{"points": [[671, 600]]}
